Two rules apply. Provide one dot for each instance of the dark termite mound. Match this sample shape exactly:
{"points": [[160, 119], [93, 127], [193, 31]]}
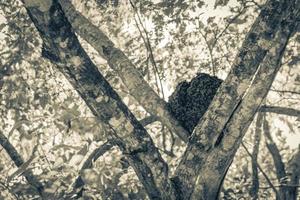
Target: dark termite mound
{"points": [[191, 99]]}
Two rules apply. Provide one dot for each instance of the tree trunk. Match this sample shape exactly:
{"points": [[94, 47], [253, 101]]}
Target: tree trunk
{"points": [[61, 46], [216, 138], [121, 64]]}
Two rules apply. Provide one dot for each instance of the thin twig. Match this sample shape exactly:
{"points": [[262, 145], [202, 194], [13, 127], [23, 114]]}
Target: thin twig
{"points": [[148, 45], [262, 171]]}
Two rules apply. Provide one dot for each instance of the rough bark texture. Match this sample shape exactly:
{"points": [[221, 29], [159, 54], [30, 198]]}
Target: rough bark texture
{"points": [[220, 158], [18, 160], [119, 62], [255, 178], [218, 135], [61, 46]]}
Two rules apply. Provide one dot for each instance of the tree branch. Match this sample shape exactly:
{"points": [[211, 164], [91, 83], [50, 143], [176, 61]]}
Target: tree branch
{"points": [[88, 164], [262, 171], [254, 163], [119, 62], [148, 120], [228, 142], [275, 153], [18, 160], [216, 138], [149, 48], [280, 110], [293, 169], [285, 91], [61, 47]]}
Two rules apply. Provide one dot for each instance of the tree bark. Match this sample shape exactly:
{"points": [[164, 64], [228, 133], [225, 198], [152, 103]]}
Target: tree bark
{"points": [[255, 178], [216, 138], [61, 46], [120, 63]]}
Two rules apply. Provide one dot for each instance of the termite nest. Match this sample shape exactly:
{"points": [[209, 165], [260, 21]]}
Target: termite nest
{"points": [[190, 100]]}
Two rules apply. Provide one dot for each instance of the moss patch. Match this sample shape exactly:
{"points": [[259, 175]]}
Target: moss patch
{"points": [[190, 100]]}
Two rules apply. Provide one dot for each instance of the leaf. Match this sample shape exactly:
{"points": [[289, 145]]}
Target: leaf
{"points": [[76, 160], [200, 4], [240, 21], [2, 26], [210, 19], [294, 60], [297, 38], [290, 125], [84, 150], [220, 3], [58, 162]]}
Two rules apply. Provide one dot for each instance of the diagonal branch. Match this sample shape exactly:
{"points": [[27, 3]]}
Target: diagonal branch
{"points": [[119, 62], [218, 161], [18, 160], [61, 47], [231, 106], [280, 110]]}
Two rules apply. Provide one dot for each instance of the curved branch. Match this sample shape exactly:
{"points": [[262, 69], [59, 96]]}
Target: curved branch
{"points": [[88, 164], [285, 91]]}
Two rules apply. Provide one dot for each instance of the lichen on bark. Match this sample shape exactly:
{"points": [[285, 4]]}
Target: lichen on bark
{"points": [[43, 5]]}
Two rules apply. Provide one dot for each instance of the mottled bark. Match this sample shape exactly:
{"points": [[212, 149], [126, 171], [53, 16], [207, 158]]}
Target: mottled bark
{"points": [[148, 120], [277, 159], [18, 160], [280, 110], [255, 178], [61, 46], [119, 62], [222, 155], [217, 136]]}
